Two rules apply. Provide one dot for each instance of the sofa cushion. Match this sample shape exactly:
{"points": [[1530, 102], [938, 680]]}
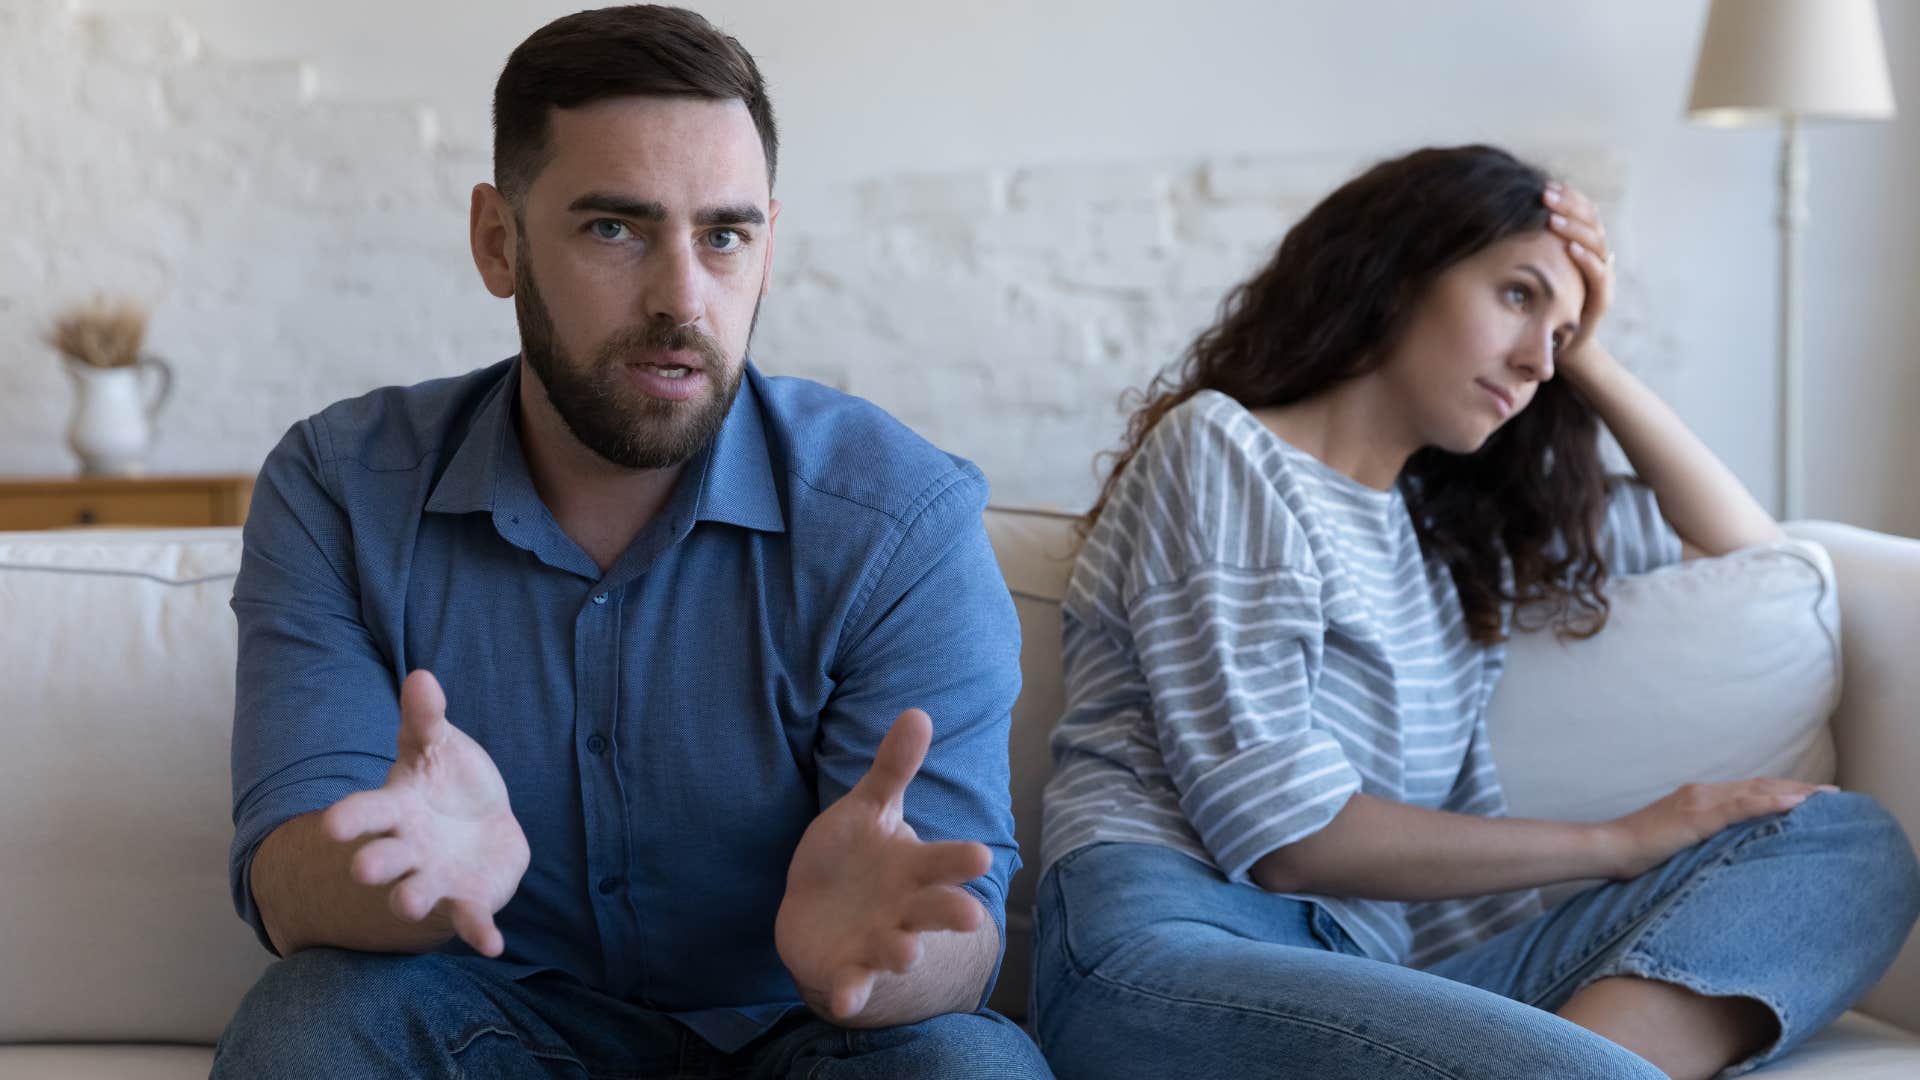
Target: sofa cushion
{"points": [[1715, 669], [1854, 1047], [133, 1061], [1710, 669], [117, 652], [1035, 549]]}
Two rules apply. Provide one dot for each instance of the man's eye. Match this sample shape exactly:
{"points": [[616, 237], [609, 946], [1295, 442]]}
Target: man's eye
{"points": [[607, 228], [726, 240]]}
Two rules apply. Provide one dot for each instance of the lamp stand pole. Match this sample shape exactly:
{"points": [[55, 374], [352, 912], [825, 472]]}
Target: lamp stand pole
{"points": [[1793, 221]]}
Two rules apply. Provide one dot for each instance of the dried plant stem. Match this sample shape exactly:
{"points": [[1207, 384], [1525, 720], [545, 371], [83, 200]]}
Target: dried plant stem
{"points": [[101, 333]]}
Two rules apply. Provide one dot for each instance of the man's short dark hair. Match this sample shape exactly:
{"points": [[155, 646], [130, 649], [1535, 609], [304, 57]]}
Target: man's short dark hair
{"points": [[636, 50]]}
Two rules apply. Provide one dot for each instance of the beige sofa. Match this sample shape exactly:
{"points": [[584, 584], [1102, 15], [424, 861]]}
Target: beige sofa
{"points": [[120, 955]]}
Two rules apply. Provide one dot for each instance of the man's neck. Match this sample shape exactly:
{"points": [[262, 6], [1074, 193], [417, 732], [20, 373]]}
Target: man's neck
{"points": [[599, 505]]}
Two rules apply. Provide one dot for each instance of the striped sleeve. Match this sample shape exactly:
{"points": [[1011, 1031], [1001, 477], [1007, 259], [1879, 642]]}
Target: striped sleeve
{"points": [[1231, 650], [1634, 536], [1230, 657]]}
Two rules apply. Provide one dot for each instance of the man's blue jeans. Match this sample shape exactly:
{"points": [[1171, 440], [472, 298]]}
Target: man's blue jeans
{"points": [[1150, 964], [335, 1013]]}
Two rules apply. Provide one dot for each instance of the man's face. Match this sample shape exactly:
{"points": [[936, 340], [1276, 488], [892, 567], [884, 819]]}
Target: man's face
{"points": [[642, 250]]}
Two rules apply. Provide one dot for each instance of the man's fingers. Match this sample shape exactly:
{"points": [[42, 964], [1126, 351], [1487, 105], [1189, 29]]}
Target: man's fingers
{"points": [[476, 927], [383, 860], [950, 862], [895, 951], [423, 708], [897, 759], [414, 898], [360, 814], [850, 995], [942, 909]]}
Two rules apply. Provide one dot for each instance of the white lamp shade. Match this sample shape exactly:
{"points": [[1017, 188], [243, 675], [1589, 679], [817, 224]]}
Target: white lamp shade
{"points": [[1813, 59]]}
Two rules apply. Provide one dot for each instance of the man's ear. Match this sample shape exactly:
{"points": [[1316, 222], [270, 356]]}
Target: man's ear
{"points": [[494, 238]]}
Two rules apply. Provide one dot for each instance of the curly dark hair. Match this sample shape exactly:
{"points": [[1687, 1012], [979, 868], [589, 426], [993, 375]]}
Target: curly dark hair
{"points": [[1330, 306]]}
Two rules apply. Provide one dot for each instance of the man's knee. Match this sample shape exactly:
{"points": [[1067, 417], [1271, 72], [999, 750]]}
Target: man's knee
{"points": [[321, 1006], [976, 1046]]}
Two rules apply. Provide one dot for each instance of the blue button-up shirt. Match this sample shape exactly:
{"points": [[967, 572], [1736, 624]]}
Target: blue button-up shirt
{"points": [[667, 729]]}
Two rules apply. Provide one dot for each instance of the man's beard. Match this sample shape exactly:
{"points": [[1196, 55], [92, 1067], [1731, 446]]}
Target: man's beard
{"points": [[598, 401]]}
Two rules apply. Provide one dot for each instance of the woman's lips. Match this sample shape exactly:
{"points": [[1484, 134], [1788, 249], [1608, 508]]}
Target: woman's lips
{"points": [[1500, 394]]}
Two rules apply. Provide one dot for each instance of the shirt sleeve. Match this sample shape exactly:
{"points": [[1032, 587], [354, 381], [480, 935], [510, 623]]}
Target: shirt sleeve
{"points": [[316, 706], [937, 632], [1634, 536], [1231, 648]]}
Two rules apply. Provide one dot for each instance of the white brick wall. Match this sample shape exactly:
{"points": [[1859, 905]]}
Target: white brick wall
{"points": [[300, 250]]}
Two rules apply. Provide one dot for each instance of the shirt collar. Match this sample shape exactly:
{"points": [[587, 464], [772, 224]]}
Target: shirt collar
{"points": [[739, 485], [473, 473], [736, 473]]}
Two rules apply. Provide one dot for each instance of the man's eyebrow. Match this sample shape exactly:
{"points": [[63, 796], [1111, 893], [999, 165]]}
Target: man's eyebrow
{"points": [[622, 205], [627, 206], [737, 214]]}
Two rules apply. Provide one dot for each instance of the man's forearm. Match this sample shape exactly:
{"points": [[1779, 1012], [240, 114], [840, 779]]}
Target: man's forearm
{"points": [[303, 884], [949, 978]]}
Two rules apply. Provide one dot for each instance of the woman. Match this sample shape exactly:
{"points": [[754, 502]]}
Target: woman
{"points": [[1275, 843]]}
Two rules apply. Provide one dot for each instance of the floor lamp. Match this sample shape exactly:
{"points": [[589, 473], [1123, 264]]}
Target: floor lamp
{"points": [[1790, 61]]}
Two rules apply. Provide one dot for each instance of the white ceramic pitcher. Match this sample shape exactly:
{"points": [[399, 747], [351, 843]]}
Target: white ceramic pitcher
{"points": [[113, 414]]}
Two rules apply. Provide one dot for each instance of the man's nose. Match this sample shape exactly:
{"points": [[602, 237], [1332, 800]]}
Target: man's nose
{"points": [[671, 290]]}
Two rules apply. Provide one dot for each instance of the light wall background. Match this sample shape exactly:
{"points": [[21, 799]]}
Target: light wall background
{"points": [[999, 214]]}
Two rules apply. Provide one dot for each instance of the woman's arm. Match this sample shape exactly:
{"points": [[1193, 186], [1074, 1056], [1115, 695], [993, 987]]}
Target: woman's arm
{"points": [[1706, 504], [1385, 850], [1379, 849]]}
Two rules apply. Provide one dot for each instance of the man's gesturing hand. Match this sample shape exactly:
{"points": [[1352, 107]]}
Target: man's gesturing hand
{"points": [[446, 840], [863, 887]]}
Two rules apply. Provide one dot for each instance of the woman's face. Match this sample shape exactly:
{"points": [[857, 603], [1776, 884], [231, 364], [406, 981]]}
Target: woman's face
{"points": [[1482, 339]]}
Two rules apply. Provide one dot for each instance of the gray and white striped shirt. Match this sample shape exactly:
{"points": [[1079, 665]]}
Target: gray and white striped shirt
{"points": [[1251, 637]]}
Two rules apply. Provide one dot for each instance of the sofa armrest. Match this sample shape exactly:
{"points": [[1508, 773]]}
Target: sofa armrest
{"points": [[1876, 730]]}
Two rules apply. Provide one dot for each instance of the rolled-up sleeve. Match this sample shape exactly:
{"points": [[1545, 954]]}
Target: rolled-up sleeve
{"points": [[316, 709], [1223, 605], [1231, 657], [937, 631]]}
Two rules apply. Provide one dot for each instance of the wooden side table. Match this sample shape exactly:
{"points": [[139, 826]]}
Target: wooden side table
{"points": [[160, 501]]}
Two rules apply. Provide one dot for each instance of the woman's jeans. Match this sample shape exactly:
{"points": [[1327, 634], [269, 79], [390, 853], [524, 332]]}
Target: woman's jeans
{"points": [[333, 1013], [1150, 964]]}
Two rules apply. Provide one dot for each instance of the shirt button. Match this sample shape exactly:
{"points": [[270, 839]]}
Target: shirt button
{"points": [[596, 744], [608, 885], [600, 599]]}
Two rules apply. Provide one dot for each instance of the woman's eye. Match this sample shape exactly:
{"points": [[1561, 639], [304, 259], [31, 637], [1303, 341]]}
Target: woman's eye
{"points": [[726, 240], [1519, 295], [607, 228]]}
